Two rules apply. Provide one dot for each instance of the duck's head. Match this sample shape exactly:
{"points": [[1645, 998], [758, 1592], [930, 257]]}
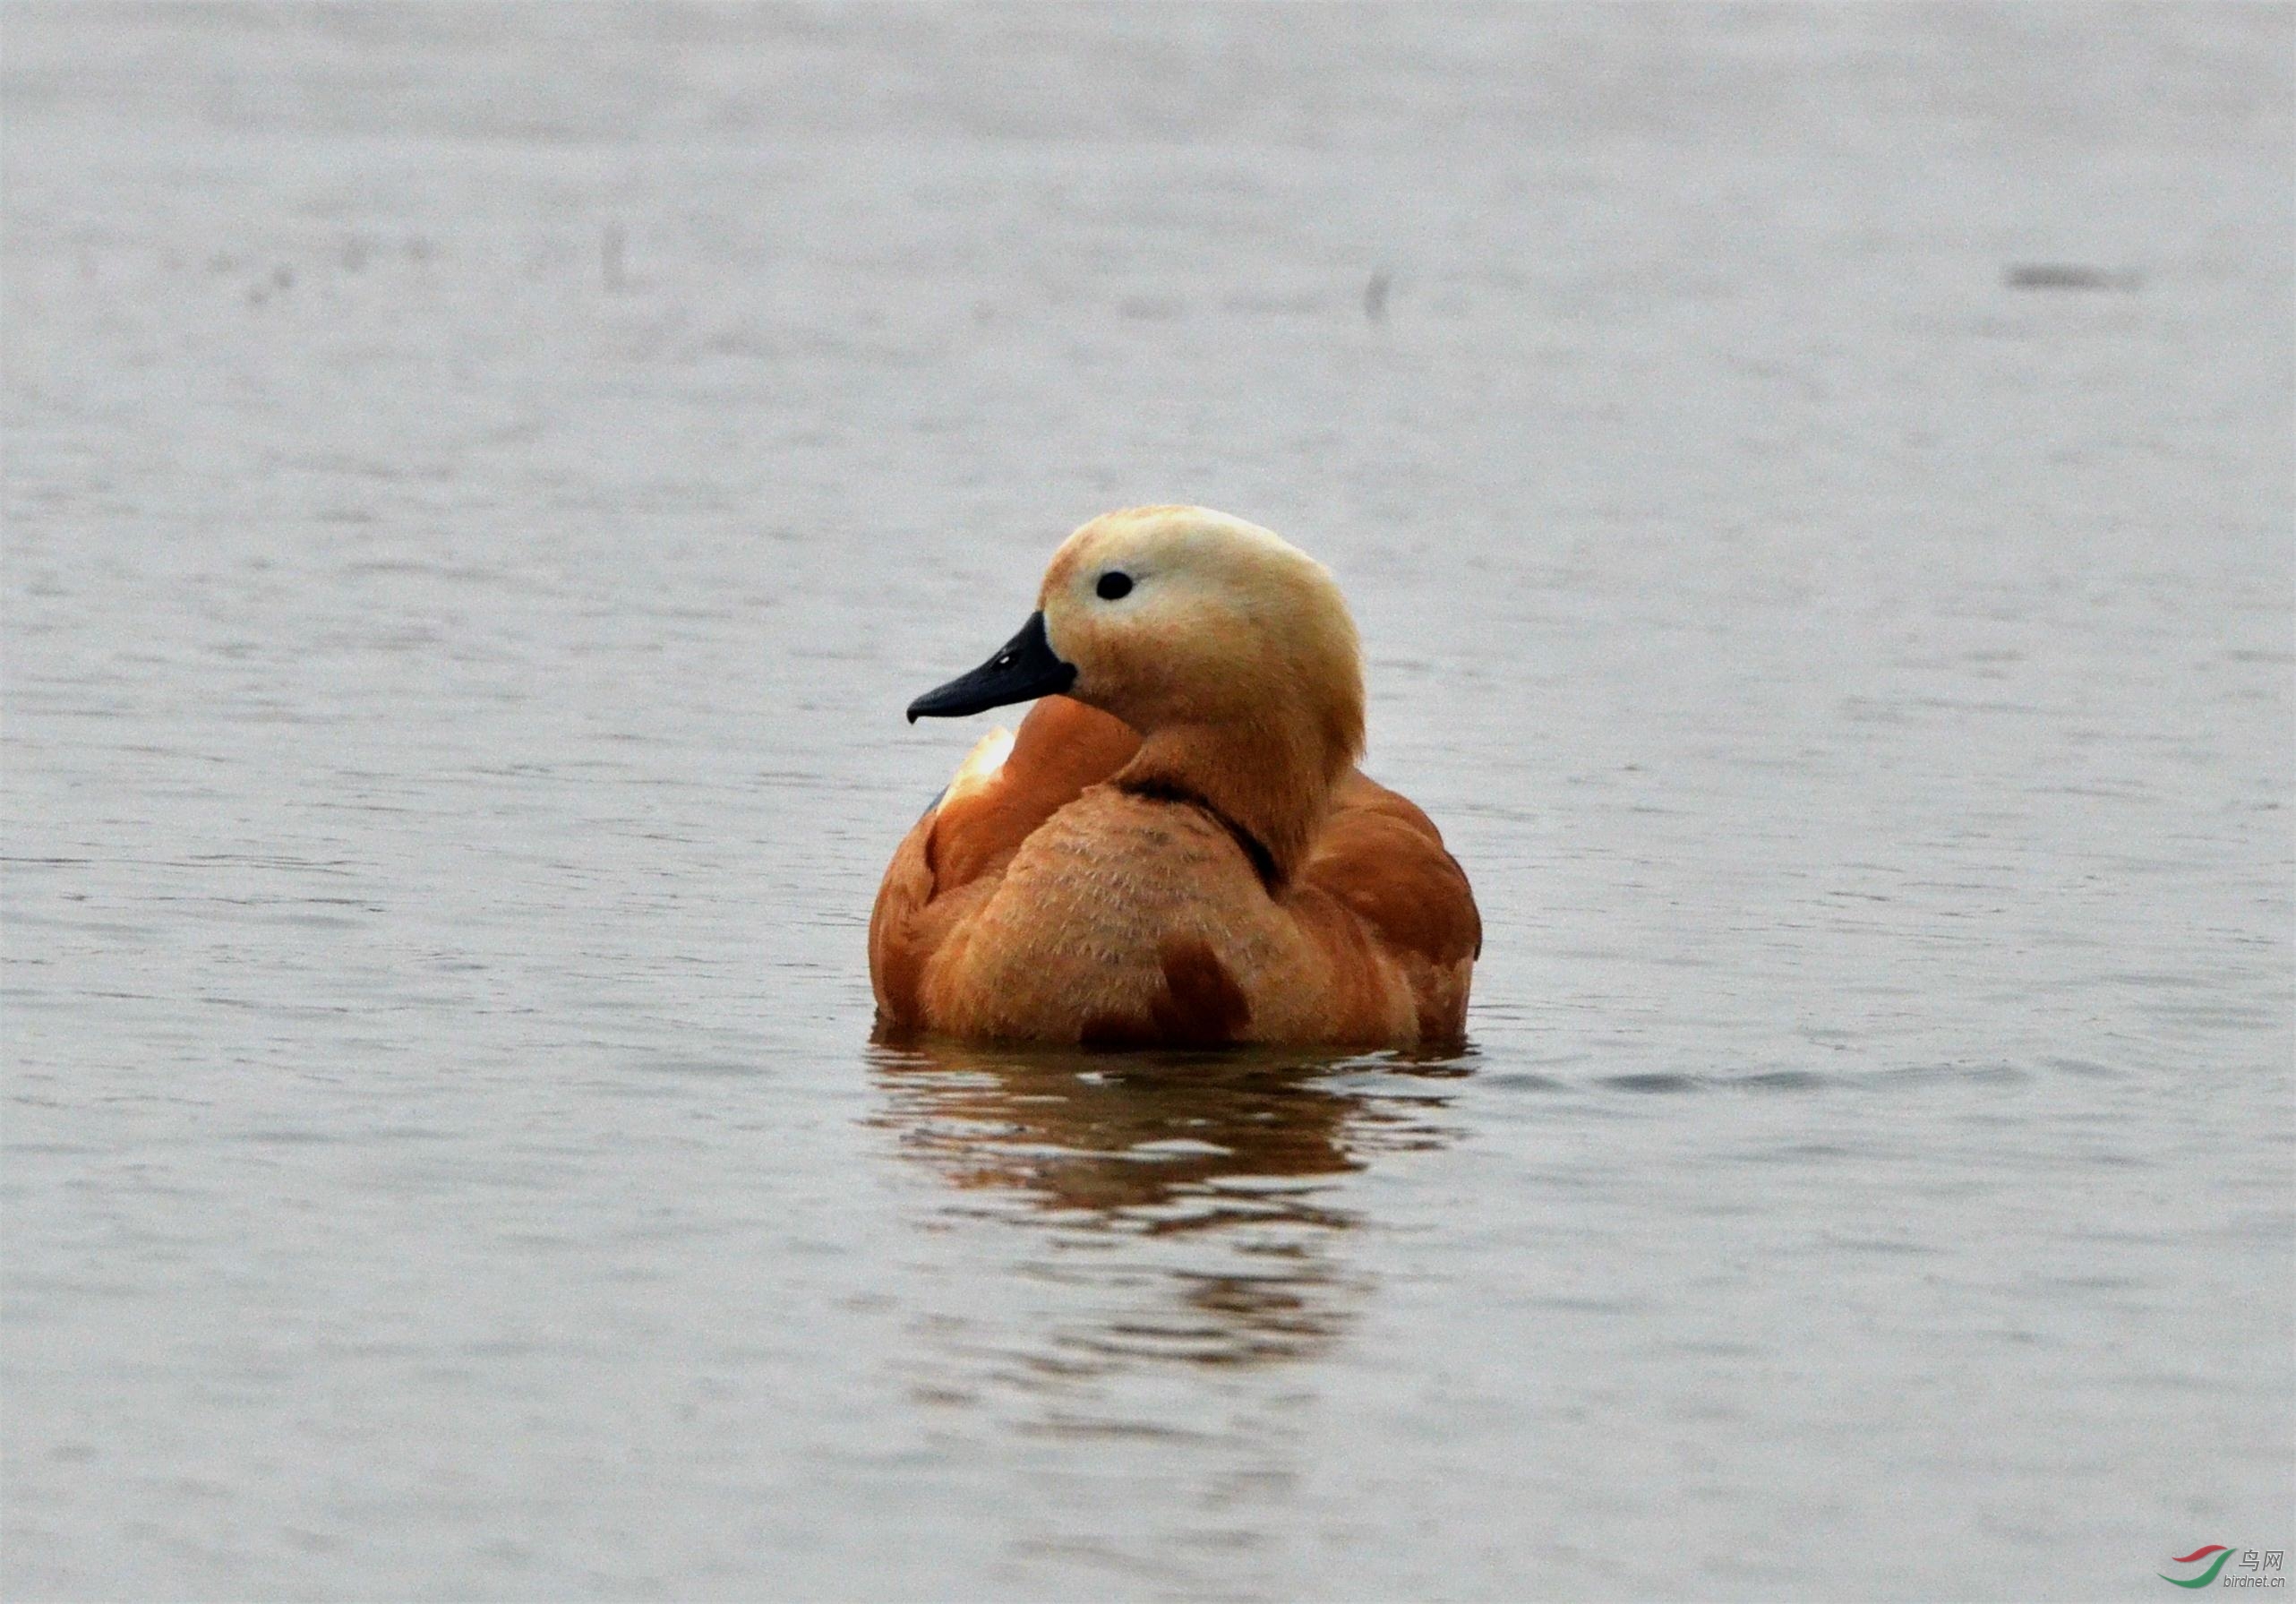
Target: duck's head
{"points": [[1173, 616], [1230, 650]]}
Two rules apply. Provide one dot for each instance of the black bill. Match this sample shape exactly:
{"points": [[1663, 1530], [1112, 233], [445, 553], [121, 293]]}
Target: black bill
{"points": [[1023, 671]]}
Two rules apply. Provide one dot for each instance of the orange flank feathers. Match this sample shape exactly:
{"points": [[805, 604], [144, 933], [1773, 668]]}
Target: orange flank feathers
{"points": [[1175, 849]]}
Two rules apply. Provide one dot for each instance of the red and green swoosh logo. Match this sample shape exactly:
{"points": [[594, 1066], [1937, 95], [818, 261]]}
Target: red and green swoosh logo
{"points": [[2195, 1557]]}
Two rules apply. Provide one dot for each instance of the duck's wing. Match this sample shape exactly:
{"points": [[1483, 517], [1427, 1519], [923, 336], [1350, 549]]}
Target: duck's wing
{"points": [[1007, 786], [1384, 859]]}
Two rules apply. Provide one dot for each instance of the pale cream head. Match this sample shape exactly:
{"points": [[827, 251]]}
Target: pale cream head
{"points": [[1181, 616]]}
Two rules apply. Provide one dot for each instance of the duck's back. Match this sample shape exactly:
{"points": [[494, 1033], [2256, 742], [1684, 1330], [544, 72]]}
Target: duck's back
{"points": [[1037, 901]]}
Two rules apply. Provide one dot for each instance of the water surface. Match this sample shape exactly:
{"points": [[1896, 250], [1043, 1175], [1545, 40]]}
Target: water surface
{"points": [[482, 484]]}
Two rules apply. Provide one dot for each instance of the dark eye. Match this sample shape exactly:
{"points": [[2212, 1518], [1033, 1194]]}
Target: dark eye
{"points": [[1114, 586]]}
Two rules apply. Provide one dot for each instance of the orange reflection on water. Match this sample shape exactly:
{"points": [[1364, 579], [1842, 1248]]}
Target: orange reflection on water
{"points": [[1221, 1168]]}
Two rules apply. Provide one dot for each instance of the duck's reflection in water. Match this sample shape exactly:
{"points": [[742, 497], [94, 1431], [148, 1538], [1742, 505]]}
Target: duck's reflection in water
{"points": [[1185, 1200]]}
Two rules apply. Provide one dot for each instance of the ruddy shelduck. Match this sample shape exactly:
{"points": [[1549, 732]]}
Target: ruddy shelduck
{"points": [[1176, 848]]}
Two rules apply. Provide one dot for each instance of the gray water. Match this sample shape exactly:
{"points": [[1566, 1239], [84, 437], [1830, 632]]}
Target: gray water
{"points": [[481, 486]]}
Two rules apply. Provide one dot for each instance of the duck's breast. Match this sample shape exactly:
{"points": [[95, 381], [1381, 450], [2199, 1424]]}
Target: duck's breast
{"points": [[1125, 920], [1119, 918]]}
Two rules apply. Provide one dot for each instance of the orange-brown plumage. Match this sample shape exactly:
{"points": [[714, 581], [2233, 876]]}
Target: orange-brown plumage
{"points": [[1193, 858]]}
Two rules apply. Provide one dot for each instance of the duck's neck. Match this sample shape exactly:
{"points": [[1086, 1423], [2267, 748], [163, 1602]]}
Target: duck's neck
{"points": [[1269, 780]]}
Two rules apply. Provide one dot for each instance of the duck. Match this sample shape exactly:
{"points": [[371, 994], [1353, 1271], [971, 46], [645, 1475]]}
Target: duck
{"points": [[1176, 848]]}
